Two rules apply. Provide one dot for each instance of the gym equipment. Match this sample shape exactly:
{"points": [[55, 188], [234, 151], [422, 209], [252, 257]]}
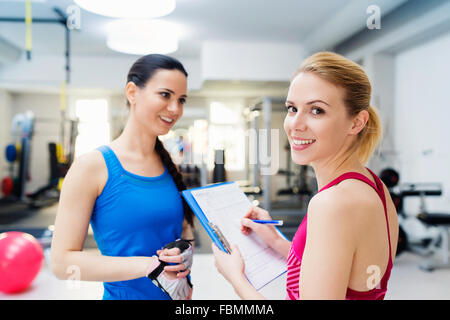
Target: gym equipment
{"points": [[22, 130], [18, 156], [300, 186], [390, 177], [59, 165], [7, 186], [21, 256], [219, 174], [42, 235], [11, 153], [191, 175], [433, 239], [426, 234], [62, 20]]}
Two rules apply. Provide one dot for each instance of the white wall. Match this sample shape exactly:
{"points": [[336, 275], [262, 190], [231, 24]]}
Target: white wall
{"points": [[422, 113], [250, 61], [380, 69]]}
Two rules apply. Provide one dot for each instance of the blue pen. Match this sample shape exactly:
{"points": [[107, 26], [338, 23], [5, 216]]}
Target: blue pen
{"points": [[274, 222]]}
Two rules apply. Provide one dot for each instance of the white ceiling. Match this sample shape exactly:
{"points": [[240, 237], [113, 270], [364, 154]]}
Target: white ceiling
{"points": [[231, 20]]}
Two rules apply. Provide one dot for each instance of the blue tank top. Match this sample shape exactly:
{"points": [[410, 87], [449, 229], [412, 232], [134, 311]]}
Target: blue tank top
{"points": [[135, 216]]}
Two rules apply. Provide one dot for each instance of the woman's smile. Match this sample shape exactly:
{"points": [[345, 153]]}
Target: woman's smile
{"points": [[301, 144], [167, 121]]}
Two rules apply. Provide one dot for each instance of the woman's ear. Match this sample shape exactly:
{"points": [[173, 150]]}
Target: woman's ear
{"points": [[131, 90], [359, 121]]}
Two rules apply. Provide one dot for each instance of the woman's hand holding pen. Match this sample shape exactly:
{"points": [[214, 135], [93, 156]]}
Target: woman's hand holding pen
{"points": [[267, 232]]}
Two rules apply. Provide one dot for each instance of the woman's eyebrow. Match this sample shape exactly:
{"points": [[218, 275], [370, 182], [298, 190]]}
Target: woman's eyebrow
{"points": [[308, 103], [173, 92], [315, 101]]}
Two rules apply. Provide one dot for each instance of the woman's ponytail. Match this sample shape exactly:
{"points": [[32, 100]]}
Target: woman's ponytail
{"points": [[369, 136]]}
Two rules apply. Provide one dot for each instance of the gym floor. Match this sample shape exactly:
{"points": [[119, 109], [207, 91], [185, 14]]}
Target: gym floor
{"points": [[407, 281]]}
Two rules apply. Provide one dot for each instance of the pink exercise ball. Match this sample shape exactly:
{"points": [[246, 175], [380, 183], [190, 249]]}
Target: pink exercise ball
{"points": [[21, 257]]}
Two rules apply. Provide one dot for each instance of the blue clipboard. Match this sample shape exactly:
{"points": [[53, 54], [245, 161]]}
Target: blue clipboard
{"points": [[187, 195]]}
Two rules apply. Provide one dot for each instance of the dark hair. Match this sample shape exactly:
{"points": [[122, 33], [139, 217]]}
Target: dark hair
{"points": [[145, 67], [141, 71]]}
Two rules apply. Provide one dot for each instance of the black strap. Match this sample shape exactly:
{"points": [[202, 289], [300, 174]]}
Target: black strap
{"points": [[181, 244], [158, 270]]}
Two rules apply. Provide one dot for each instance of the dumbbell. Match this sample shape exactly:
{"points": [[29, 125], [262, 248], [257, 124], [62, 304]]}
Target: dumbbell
{"points": [[12, 152], [7, 186]]}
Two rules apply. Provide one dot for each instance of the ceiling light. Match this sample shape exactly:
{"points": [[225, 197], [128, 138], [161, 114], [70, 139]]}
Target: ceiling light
{"points": [[142, 36], [128, 8]]}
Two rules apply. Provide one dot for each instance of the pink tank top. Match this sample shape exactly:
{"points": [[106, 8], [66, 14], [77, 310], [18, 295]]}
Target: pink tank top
{"points": [[294, 259]]}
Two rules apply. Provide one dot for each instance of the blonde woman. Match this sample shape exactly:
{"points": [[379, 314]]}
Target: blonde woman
{"points": [[345, 246]]}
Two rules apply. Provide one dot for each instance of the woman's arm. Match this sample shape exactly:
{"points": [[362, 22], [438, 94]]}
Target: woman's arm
{"points": [[232, 266], [330, 245], [80, 189]]}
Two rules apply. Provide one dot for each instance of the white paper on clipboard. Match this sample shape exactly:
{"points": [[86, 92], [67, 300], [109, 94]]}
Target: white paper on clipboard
{"points": [[224, 206]]}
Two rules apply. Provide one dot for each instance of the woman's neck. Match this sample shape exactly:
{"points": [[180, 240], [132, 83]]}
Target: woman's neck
{"points": [[327, 171], [136, 139]]}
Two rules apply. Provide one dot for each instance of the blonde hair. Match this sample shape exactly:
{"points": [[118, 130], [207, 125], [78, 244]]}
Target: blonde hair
{"points": [[349, 75]]}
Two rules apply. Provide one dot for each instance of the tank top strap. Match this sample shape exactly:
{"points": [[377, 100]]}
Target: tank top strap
{"points": [[383, 198], [112, 162], [350, 175]]}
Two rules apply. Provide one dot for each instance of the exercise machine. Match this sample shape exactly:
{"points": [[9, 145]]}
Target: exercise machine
{"points": [[15, 198], [60, 160], [426, 233], [17, 154], [300, 182]]}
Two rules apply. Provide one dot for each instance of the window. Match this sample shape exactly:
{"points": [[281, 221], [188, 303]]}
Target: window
{"points": [[93, 127], [226, 132]]}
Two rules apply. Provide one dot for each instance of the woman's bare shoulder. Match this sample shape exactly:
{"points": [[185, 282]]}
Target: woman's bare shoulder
{"points": [[89, 162], [88, 169], [350, 196]]}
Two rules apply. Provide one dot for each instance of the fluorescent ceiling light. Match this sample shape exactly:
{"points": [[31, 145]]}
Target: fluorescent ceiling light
{"points": [[142, 36], [128, 8]]}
